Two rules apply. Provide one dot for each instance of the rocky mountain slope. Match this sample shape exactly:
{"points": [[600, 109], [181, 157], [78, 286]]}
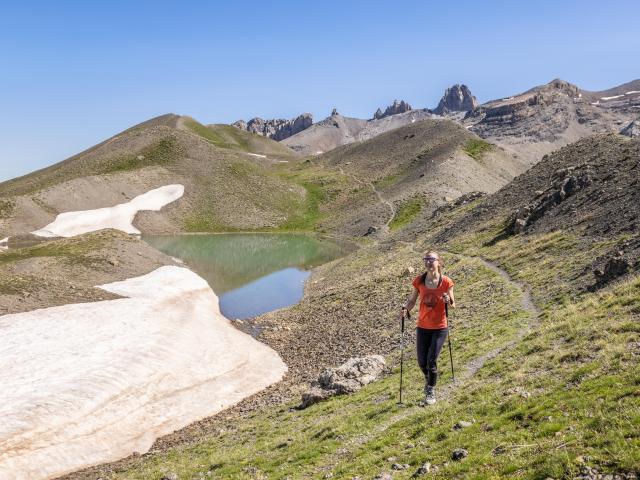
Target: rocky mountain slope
{"points": [[338, 130], [222, 168], [547, 117], [588, 189], [417, 167]]}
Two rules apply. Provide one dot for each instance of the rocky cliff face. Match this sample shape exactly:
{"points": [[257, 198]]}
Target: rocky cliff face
{"points": [[456, 99], [277, 129], [393, 109], [547, 117]]}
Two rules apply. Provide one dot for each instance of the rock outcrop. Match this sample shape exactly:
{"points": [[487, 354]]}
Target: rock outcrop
{"points": [[632, 130], [276, 129], [567, 183], [349, 377], [457, 98], [393, 109]]}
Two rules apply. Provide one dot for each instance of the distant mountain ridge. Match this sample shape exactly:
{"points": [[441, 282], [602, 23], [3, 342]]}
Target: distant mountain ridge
{"points": [[276, 129]]}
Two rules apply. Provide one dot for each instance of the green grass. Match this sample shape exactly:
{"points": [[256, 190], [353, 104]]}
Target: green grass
{"points": [[74, 251], [10, 285], [164, 152], [202, 220], [476, 147], [406, 213], [387, 181], [300, 212], [308, 214], [322, 188], [215, 136]]}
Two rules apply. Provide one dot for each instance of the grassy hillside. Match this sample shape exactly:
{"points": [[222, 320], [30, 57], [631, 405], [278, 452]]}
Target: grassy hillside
{"points": [[531, 407], [549, 391], [417, 167], [233, 181]]}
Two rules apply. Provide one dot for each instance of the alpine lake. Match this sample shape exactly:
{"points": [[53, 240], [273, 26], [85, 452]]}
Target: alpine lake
{"points": [[251, 273]]}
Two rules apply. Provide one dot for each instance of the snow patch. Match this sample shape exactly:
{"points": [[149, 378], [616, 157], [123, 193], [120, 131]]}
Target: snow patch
{"points": [[257, 155], [611, 98], [632, 92], [93, 382], [120, 217]]}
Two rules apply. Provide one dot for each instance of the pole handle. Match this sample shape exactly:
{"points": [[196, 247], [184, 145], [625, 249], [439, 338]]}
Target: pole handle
{"points": [[406, 315]]}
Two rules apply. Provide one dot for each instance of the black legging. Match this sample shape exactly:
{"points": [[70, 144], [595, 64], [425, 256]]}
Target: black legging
{"points": [[429, 343]]}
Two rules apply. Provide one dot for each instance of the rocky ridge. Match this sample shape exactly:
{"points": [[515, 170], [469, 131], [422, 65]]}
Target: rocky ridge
{"points": [[545, 118], [276, 129], [393, 109]]}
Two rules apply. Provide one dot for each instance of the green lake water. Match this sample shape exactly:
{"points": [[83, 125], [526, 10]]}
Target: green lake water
{"points": [[251, 273]]}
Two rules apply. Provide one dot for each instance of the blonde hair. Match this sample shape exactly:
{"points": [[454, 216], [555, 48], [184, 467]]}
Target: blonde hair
{"points": [[440, 261]]}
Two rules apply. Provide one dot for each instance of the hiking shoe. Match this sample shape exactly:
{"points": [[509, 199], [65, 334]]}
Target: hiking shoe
{"points": [[430, 396]]}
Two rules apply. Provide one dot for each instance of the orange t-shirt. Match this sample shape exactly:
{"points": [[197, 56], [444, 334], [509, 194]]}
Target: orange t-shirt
{"points": [[432, 314]]}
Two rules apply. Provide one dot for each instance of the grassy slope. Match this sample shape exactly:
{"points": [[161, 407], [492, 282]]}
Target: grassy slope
{"points": [[229, 137], [102, 159], [221, 178], [565, 395]]}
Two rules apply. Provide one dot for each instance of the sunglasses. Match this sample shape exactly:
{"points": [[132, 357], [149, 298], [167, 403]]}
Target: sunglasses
{"points": [[430, 259]]}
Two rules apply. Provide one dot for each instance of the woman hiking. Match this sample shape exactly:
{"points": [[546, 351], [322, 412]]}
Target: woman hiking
{"points": [[434, 290]]}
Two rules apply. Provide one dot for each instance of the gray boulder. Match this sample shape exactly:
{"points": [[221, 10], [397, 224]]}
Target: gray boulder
{"points": [[352, 375], [349, 377], [632, 130]]}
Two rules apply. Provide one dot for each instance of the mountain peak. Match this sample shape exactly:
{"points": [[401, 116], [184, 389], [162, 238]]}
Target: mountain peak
{"points": [[398, 106], [561, 85], [457, 98]]}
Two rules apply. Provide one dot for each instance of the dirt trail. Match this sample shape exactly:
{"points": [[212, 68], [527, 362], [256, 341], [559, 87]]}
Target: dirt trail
{"points": [[468, 370], [381, 198]]}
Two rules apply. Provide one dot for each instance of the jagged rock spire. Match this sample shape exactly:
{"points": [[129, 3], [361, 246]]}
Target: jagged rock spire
{"points": [[457, 98]]}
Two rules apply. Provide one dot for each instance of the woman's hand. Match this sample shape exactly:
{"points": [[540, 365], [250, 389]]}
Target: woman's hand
{"points": [[447, 299]]}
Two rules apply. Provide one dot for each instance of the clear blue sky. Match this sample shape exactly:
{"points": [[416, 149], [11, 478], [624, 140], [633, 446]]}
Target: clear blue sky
{"points": [[75, 73]]}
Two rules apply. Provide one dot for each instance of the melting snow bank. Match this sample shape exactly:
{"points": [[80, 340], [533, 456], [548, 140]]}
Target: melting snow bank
{"points": [[120, 217], [93, 382]]}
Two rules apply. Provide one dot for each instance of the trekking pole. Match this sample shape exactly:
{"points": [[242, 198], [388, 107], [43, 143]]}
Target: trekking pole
{"points": [[405, 314], [453, 375]]}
